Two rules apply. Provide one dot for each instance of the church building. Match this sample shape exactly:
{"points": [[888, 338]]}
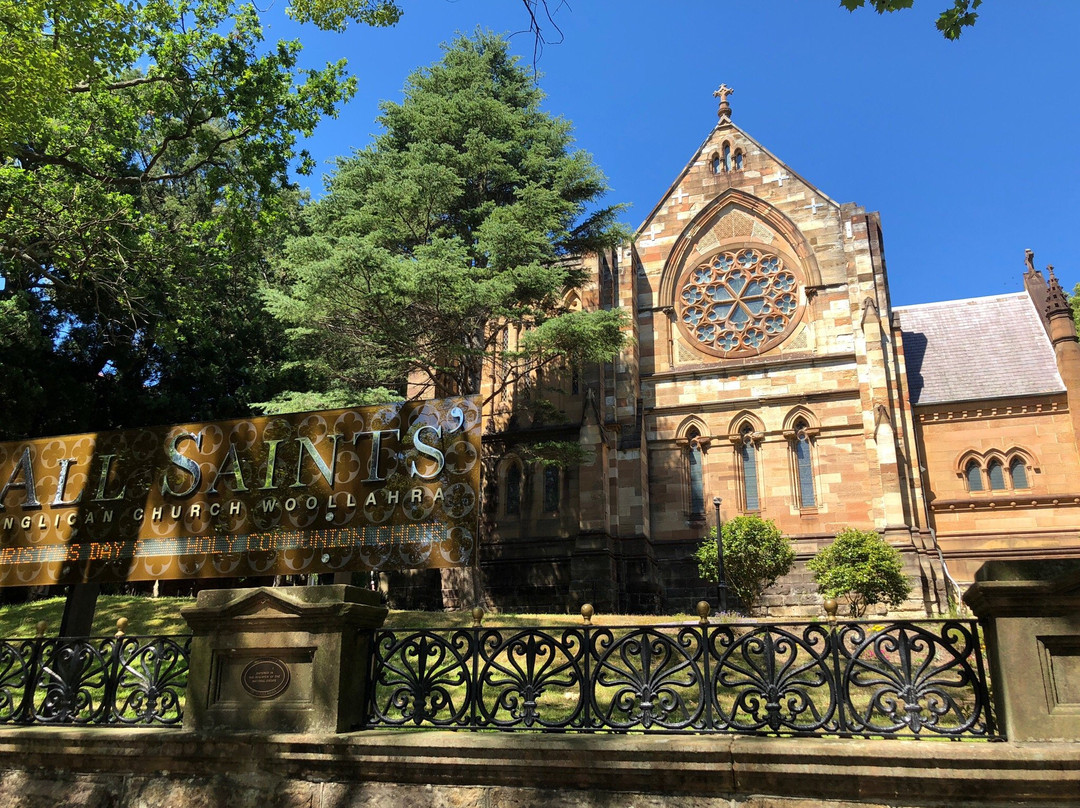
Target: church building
{"points": [[766, 372]]}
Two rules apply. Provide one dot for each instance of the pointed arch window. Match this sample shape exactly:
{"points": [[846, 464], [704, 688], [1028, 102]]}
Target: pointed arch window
{"points": [[996, 472], [696, 468], [715, 164], [551, 488], [513, 490], [727, 157], [738, 159], [1018, 473], [749, 466], [974, 476], [804, 471]]}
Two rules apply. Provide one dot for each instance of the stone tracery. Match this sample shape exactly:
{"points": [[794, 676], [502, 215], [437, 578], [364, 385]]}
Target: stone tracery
{"points": [[739, 302]]}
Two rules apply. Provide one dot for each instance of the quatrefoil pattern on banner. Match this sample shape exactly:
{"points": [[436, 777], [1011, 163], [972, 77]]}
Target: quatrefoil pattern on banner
{"points": [[739, 303]]}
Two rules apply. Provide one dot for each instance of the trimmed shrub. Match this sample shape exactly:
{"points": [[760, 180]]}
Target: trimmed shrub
{"points": [[862, 568], [756, 554]]}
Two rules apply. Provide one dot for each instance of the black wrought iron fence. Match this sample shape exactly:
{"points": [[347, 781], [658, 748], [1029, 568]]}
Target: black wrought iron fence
{"points": [[117, 680], [861, 678]]}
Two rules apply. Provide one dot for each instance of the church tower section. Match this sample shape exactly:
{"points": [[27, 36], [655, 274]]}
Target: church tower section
{"points": [[769, 375]]}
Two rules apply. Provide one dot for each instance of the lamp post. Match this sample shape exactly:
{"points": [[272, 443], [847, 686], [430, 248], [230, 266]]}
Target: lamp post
{"points": [[721, 584]]}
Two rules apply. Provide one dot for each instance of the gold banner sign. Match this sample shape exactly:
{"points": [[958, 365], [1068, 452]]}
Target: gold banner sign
{"points": [[389, 487]]}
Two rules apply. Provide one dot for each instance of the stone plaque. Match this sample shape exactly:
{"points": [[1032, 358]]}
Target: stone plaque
{"points": [[265, 678]]}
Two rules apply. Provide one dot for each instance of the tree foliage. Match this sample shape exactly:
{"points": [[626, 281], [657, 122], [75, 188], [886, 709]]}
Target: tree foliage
{"points": [[951, 22], [756, 555], [450, 228], [1074, 304], [861, 567], [145, 152]]}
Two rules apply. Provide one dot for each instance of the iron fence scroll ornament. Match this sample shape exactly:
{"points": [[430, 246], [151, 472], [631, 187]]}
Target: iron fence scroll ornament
{"points": [[122, 680], [388, 487], [849, 679], [857, 678]]}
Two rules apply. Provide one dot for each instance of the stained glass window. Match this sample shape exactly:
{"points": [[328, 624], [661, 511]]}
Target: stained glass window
{"points": [[738, 302], [748, 455], [803, 467], [974, 476], [1018, 472], [513, 490], [697, 478], [551, 488], [996, 474]]}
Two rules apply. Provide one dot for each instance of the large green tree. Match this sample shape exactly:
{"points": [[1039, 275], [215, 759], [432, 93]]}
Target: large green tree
{"points": [[449, 229], [145, 152]]}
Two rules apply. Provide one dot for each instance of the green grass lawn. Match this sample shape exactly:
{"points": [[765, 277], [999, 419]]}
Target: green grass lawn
{"points": [[147, 615]]}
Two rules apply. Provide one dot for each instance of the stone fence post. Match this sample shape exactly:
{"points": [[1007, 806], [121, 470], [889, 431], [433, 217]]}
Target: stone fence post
{"points": [[291, 659], [1030, 613]]}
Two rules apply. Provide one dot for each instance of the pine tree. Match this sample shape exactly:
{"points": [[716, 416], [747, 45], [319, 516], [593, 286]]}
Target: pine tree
{"points": [[451, 226]]}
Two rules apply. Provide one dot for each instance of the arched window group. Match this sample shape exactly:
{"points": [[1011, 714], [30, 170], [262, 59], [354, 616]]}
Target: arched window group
{"points": [[513, 488], [747, 436], [727, 159], [995, 471]]}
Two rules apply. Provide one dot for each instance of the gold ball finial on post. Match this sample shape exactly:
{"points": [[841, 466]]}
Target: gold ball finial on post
{"points": [[477, 616], [703, 610], [121, 627], [587, 612], [830, 605], [40, 628]]}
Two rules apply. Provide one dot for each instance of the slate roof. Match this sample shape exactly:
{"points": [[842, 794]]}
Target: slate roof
{"points": [[979, 348]]}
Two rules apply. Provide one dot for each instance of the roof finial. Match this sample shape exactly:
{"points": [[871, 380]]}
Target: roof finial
{"points": [[722, 92], [1029, 260], [1057, 302]]}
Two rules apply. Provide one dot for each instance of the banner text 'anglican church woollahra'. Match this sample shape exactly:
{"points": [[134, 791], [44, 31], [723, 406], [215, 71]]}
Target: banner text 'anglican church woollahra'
{"points": [[388, 487]]}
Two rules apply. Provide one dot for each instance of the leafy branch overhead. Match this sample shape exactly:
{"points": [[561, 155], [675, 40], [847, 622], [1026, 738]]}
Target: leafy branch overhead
{"points": [[446, 245], [951, 22]]}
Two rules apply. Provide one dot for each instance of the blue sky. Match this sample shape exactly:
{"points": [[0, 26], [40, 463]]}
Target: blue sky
{"points": [[968, 149]]}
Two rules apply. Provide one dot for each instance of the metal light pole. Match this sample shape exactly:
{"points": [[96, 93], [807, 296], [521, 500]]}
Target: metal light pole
{"points": [[721, 584]]}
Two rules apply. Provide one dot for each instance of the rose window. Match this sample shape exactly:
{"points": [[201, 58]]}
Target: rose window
{"points": [[740, 302]]}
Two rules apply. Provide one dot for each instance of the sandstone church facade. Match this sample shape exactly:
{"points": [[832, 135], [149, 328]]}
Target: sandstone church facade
{"points": [[765, 366]]}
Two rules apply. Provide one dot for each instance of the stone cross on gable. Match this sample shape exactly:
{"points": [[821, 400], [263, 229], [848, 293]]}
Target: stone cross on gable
{"points": [[680, 196], [722, 92]]}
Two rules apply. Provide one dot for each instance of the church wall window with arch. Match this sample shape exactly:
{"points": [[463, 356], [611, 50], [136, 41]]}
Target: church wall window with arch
{"points": [[695, 470], [801, 437], [997, 471]]}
